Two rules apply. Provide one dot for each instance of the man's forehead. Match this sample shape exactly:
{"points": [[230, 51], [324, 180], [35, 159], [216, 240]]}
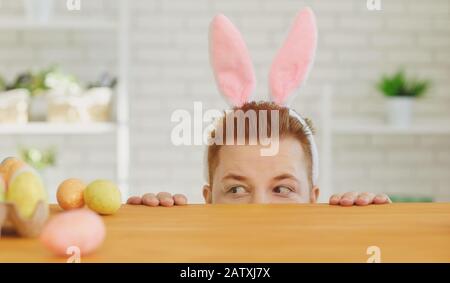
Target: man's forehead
{"points": [[287, 146], [289, 157]]}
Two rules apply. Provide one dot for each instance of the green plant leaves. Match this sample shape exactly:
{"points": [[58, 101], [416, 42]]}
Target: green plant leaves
{"points": [[38, 159], [399, 85]]}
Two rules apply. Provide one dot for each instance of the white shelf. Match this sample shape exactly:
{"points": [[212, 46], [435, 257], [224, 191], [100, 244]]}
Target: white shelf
{"points": [[44, 128], [419, 129], [82, 24]]}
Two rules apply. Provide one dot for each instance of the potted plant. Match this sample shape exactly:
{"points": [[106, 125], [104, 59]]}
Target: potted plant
{"points": [[401, 93], [37, 158], [35, 84]]}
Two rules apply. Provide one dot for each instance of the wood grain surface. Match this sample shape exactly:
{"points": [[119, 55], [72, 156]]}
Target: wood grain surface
{"points": [[418, 232]]}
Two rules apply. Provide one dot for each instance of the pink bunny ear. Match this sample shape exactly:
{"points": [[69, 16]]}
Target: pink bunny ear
{"points": [[293, 61], [230, 61]]}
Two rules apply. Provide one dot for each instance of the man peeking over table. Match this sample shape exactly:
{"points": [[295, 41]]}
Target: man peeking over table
{"points": [[242, 174], [241, 165]]}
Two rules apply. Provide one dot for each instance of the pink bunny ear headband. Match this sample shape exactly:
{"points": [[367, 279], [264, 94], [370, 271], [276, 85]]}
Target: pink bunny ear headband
{"points": [[233, 69]]}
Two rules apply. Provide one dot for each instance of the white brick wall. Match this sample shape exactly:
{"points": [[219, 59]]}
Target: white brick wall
{"points": [[170, 70]]}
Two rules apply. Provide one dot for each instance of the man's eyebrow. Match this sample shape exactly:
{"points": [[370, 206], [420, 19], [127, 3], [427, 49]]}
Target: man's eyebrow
{"points": [[234, 176], [285, 176]]}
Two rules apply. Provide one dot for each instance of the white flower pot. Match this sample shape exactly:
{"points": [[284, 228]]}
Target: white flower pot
{"points": [[38, 10], [399, 111]]}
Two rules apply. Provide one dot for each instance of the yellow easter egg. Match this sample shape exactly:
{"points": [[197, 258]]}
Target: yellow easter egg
{"points": [[2, 189], [103, 197], [25, 190]]}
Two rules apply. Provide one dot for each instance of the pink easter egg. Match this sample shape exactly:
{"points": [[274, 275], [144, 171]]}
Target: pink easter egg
{"points": [[78, 228]]}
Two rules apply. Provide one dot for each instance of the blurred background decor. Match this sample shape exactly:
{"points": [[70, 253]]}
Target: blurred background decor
{"points": [[64, 83], [158, 50], [59, 97], [71, 103]]}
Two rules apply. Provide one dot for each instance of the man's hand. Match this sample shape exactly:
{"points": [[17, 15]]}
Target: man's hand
{"points": [[354, 198], [161, 199]]}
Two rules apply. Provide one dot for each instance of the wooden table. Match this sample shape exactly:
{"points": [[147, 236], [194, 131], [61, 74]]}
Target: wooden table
{"points": [[262, 233]]}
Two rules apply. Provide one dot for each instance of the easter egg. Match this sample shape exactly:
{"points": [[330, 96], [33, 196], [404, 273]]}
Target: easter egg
{"points": [[25, 190], [102, 196], [70, 194], [9, 166], [77, 228], [2, 189]]}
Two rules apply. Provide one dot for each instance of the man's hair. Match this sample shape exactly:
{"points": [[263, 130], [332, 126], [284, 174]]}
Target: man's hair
{"points": [[288, 126]]}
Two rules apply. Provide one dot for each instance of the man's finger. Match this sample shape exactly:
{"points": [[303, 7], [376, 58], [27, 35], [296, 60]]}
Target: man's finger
{"points": [[134, 200], [150, 200], [165, 199], [348, 199], [381, 199], [365, 198], [179, 199], [334, 199]]}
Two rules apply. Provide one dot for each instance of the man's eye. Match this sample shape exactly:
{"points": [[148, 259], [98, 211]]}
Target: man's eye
{"points": [[237, 190], [282, 190]]}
